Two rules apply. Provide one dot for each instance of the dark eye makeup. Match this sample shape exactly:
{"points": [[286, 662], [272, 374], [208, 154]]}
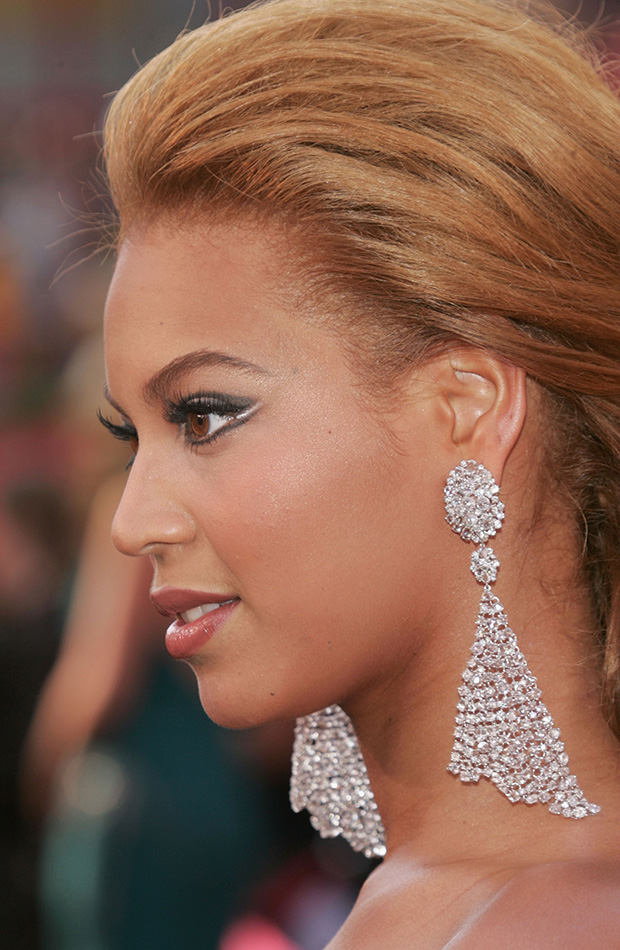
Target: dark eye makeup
{"points": [[201, 417], [204, 416]]}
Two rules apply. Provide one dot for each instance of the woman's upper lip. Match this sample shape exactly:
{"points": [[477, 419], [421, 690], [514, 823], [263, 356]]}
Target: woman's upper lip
{"points": [[171, 601]]}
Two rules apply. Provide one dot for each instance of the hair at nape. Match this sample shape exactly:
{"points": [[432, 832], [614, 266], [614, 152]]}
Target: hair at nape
{"points": [[454, 167]]}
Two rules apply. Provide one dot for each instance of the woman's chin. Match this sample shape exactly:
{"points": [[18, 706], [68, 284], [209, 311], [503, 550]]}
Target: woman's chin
{"points": [[239, 709]]}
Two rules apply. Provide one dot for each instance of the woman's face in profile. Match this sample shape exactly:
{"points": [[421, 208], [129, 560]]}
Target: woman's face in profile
{"points": [[265, 480]]}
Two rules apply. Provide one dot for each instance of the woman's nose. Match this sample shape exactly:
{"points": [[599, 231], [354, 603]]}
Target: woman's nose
{"points": [[150, 512]]}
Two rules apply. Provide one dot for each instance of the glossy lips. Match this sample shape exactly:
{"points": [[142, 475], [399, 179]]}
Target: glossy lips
{"points": [[199, 616]]}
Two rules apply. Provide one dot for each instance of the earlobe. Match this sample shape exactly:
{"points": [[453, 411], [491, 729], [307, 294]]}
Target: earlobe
{"points": [[488, 401]]}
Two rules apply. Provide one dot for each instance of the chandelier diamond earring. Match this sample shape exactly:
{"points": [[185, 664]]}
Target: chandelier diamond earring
{"points": [[504, 732]]}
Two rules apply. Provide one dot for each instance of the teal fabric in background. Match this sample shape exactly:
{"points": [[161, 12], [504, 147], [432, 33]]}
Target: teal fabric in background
{"points": [[171, 854]]}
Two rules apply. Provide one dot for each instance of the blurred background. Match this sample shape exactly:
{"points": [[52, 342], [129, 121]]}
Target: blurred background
{"points": [[127, 820]]}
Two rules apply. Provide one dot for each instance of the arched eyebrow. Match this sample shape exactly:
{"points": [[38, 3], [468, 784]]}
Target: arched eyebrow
{"points": [[158, 387]]}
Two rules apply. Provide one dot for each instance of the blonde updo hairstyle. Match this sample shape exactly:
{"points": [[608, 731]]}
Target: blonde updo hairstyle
{"points": [[454, 166]]}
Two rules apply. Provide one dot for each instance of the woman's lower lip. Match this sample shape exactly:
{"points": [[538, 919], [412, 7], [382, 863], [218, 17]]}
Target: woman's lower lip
{"points": [[185, 639]]}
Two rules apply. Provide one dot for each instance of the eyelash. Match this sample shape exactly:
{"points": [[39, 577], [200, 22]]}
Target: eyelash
{"points": [[182, 410], [124, 433]]}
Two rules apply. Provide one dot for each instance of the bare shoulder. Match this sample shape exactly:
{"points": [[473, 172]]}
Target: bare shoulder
{"points": [[575, 905]]}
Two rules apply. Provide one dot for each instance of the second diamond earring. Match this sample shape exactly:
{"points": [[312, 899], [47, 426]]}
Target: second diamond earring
{"points": [[330, 780], [504, 732]]}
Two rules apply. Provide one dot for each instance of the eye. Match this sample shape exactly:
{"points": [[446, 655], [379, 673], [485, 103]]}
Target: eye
{"points": [[202, 425], [202, 417]]}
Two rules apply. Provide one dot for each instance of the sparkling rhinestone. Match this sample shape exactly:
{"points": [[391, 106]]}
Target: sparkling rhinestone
{"points": [[509, 735]]}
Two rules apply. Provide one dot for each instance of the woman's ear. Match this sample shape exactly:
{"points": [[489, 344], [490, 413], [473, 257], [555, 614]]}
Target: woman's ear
{"points": [[487, 402]]}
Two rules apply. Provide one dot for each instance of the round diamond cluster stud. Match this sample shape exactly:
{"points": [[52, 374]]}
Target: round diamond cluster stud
{"points": [[473, 508]]}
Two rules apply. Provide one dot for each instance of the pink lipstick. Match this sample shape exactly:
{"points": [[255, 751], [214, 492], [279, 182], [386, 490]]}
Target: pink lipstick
{"points": [[199, 615]]}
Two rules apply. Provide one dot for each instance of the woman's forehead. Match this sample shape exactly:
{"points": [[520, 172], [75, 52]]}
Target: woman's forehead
{"points": [[219, 291]]}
